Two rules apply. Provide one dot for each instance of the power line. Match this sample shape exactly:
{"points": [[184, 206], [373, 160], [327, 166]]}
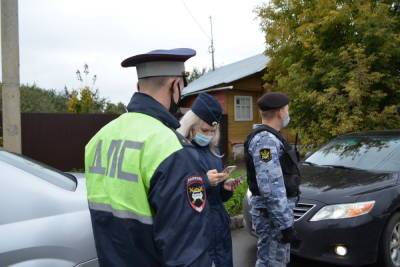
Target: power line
{"points": [[211, 48], [195, 20]]}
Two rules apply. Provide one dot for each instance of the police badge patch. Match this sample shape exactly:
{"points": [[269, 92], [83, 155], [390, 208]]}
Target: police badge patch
{"points": [[265, 154], [196, 193]]}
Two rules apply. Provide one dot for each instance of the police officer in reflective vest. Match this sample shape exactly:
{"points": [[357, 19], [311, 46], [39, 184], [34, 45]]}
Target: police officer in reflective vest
{"points": [[273, 178], [145, 186]]}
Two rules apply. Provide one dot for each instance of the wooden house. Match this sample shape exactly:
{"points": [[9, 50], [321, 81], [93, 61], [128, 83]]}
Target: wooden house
{"points": [[237, 87]]}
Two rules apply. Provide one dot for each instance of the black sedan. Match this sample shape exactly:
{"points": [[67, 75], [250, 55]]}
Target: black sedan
{"points": [[349, 209]]}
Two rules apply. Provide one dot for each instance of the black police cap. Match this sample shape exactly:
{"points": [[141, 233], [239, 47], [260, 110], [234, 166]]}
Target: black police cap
{"points": [[273, 100]]}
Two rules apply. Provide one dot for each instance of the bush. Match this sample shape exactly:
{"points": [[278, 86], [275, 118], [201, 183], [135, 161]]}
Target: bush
{"points": [[234, 204]]}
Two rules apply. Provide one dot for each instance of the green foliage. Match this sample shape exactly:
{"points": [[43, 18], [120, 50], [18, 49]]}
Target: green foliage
{"points": [[196, 73], [84, 100], [338, 60], [87, 99], [35, 99], [118, 108], [234, 204]]}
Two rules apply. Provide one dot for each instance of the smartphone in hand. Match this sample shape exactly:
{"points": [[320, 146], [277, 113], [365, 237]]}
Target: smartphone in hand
{"points": [[229, 169]]}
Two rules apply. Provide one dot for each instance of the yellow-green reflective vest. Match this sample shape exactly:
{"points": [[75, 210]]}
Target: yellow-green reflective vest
{"points": [[120, 161]]}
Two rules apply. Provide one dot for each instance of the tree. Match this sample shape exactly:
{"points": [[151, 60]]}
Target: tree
{"points": [[339, 61], [87, 99], [35, 99], [196, 73], [84, 100], [112, 108]]}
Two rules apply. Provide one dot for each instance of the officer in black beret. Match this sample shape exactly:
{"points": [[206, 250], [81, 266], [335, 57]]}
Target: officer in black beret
{"points": [[273, 177], [146, 187]]}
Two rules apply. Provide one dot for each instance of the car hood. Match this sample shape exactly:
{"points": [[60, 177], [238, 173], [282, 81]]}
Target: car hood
{"points": [[332, 185]]}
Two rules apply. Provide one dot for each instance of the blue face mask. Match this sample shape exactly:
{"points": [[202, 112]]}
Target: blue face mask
{"points": [[202, 140]]}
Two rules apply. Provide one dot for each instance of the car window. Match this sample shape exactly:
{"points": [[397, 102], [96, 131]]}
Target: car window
{"points": [[372, 153], [47, 173]]}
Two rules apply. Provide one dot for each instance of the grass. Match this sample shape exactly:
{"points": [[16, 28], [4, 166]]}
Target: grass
{"points": [[234, 204]]}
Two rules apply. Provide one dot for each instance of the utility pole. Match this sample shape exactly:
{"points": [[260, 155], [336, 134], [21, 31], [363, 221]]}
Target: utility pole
{"points": [[211, 48], [10, 72]]}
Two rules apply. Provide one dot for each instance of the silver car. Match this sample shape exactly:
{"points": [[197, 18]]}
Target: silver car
{"points": [[44, 216]]}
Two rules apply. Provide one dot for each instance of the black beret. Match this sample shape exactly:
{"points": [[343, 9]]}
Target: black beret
{"points": [[207, 108], [273, 100]]}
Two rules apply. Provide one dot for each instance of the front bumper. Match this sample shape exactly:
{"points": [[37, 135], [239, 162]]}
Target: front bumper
{"points": [[361, 237]]}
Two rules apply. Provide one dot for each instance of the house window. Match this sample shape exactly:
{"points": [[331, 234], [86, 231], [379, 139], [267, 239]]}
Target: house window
{"points": [[243, 108]]}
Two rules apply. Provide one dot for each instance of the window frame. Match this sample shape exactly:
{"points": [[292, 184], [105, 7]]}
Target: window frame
{"points": [[236, 97]]}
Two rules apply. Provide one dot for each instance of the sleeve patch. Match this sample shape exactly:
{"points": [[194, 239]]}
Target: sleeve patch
{"points": [[265, 154], [196, 193]]}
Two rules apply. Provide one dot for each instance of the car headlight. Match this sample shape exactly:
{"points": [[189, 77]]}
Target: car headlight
{"points": [[343, 211]]}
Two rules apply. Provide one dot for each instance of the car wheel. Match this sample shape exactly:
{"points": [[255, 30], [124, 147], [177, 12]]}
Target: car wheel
{"points": [[390, 246]]}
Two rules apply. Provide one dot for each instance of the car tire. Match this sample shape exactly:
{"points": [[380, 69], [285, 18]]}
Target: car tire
{"points": [[390, 243]]}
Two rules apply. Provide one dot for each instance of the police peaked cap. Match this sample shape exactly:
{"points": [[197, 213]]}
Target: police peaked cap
{"points": [[207, 108], [159, 63]]}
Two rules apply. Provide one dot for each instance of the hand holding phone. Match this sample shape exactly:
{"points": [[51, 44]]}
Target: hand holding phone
{"points": [[229, 169], [214, 177]]}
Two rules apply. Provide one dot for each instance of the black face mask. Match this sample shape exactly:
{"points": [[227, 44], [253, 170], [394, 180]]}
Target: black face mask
{"points": [[174, 106]]}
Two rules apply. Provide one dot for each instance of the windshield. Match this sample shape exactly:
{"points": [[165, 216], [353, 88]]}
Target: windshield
{"points": [[49, 174], [371, 153]]}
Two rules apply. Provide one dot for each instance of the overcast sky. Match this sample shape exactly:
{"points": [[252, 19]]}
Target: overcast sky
{"points": [[58, 36]]}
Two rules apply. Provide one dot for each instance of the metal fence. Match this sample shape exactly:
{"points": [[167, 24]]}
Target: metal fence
{"points": [[59, 140]]}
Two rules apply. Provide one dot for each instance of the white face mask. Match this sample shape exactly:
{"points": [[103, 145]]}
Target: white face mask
{"points": [[286, 121]]}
